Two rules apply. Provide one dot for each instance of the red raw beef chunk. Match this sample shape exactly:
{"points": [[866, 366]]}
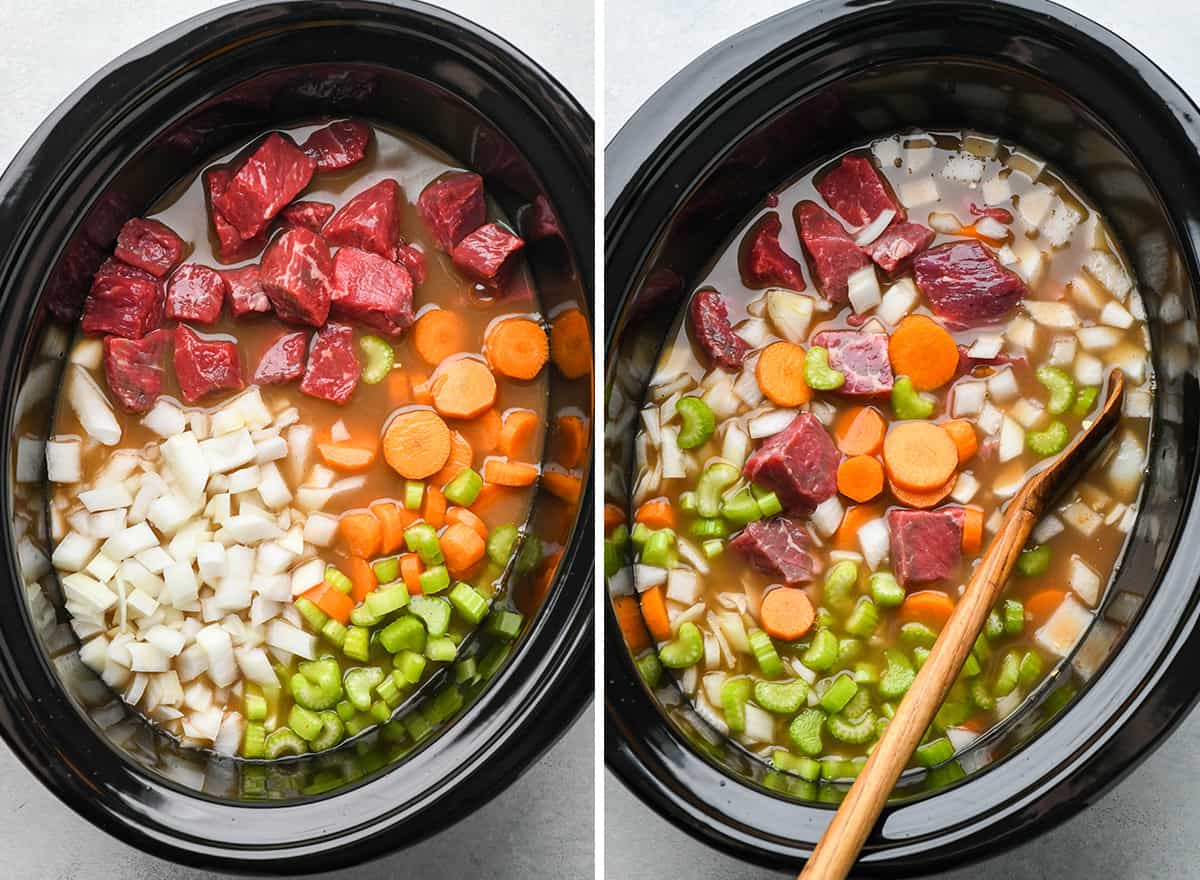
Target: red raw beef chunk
{"points": [[124, 301], [263, 184], [862, 358], [925, 544], [488, 254], [453, 207], [309, 215], [965, 284], [296, 274], [712, 332], [897, 245], [283, 361], [371, 290], [150, 246], [538, 220], [246, 292], [370, 220], [857, 192], [777, 547], [761, 260], [413, 259], [833, 254], [134, 369], [338, 145], [231, 247], [332, 371], [195, 293], [203, 366], [799, 464]]}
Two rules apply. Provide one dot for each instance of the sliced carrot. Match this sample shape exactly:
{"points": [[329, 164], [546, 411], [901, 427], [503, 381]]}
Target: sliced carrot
{"points": [[433, 507], [921, 349], [509, 473], [362, 576], [410, 573], [490, 496], [962, 433], [860, 477], [562, 485], [570, 440], [464, 516], [517, 348], [416, 444], [972, 539], [422, 392], [786, 613], [1042, 604], [332, 601], [342, 457], [846, 536], [462, 547], [439, 333], [542, 582], [930, 607], [780, 374], [657, 513], [461, 456], [860, 430], [629, 621], [399, 387], [482, 432], [391, 526], [613, 517], [571, 344], [654, 613], [361, 533], [518, 433], [923, 500], [463, 388], [920, 456]]}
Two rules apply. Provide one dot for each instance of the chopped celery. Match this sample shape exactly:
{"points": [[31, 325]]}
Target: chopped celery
{"points": [[849, 650], [708, 528], [284, 742], [714, 548], [805, 731], [741, 509], [1034, 561], [414, 491], [379, 358], [254, 706], [686, 650], [1007, 677], [1014, 616], [935, 752], [335, 631], [886, 590], [464, 488], [338, 580], [855, 732], [659, 549], [698, 422], [312, 615], [782, 698], [864, 619], [441, 649], [305, 722], [687, 502], [914, 633], [384, 602], [817, 371], [800, 765], [500, 543], [1030, 669], [1051, 441], [839, 693], [434, 579], [735, 693], [717, 477], [406, 633], [840, 583], [386, 570], [764, 652], [898, 676], [358, 644], [434, 611], [822, 652], [1060, 385], [503, 623], [468, 603], [650, 669], [359, 683], [254, 741], [994, 628], [362, 615], [333, 731], [318, 684], [422, 539], [908, 402], [1085, 400]]}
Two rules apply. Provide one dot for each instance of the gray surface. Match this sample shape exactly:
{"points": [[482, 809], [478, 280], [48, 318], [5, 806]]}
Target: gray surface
{"points": [[1146, 827], [542, 826]]}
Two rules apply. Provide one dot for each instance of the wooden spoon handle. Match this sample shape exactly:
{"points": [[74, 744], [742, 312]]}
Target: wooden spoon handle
{"points": [[840, 845]]}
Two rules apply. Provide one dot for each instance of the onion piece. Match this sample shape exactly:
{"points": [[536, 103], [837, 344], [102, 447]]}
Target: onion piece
{"points": [[91, 406], [790, 313], [770, 423], [875, 228]]}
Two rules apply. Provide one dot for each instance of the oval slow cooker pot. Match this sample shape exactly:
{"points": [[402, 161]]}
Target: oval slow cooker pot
{"points": [[688, 169], [110, 151]]}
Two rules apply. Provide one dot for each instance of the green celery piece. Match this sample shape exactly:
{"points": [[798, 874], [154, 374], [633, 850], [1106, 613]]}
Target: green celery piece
{"points": [[782, 698], [908, 402], [1060, 385], [698, 422], [805, 731], [686, 650], [818, 373], [735, 693]]}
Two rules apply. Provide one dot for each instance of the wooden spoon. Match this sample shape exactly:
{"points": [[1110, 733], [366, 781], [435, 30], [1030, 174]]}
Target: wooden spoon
{"points": [[840, 845]]}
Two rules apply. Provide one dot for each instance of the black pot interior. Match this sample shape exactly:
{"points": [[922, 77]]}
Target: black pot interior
{"points": [[204, 91], [844, 82]]}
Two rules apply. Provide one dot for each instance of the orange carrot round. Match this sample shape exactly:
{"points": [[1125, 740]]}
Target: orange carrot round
{"points": [[410, 573], [438, 334], [921, 349], [416, 444], [361, 533], [335, 603], [613, 517], [433, 507], [391, 526], [629, 620], [962, 433], [656, 513], [362, 576], [1042, 604], [786, 613], [563, 485], [860, 477], [464, 516], [930, 607], [654, 613], [972, 539], [517, 348], [463, 388], [509, 473], [462, 547], [570, 440], [571, 344], [920, 456], [399, 386], [860, 431], [342, 457], [923, 500], [846, 536], [482, 432], [518, 433], [780, 374], [461, 457]]}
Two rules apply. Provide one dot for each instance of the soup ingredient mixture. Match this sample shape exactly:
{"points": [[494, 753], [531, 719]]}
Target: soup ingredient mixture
{"points": [[847, 405]]}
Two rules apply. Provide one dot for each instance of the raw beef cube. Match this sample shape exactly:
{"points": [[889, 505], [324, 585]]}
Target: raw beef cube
{"points": [[761, 260], [965, 284], [124, 301], [309, 215], [370, 220], [799, 464], [857, 191], [246, 292], [134, 369], [413, 259], [296, 272], [488, 254], [862, 358], [150, 246], [371, 290], [710, 328], [897, 244], [832, 253], [263, 184], [332, 371], [231, 247], [453, 207], [926, 545], [538, 220], [778, 547], [195, 293], [283, 361], [203, 366], [338, 145]]}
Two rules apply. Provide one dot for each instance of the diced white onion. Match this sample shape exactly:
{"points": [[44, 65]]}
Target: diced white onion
{"points": [[1102, 266], [897, 302], [875, 228], [968, 398], [864, 292], [683, 585], [828, 516], [873, 538], [770, 423], [1088, 370], [790, 313], [1012, 440], [1115, 315], [1063, 629], [64, 461], [91, 406]]}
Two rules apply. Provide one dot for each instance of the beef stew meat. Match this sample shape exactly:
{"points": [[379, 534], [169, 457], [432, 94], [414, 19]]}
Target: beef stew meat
{"points": [[822, 462], [270, 527]]}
